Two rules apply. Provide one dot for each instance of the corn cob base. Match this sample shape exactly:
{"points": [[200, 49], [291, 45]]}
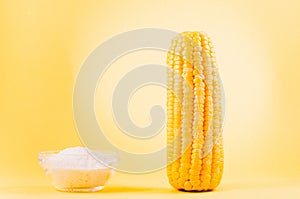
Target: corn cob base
{"points": [[194, 114]]}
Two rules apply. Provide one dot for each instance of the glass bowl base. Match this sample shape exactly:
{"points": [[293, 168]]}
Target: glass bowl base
{"points": [[79, 189]]}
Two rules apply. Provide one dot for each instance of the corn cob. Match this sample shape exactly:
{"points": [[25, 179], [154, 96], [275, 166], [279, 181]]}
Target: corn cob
{"points": [[195, 114]]}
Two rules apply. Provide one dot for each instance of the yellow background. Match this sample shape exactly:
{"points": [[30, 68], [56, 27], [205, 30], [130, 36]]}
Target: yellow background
{"points": [[43, 44]]}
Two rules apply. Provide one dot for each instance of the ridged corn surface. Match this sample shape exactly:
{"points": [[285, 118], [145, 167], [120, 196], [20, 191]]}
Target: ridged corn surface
{"points": [[194, 114]]}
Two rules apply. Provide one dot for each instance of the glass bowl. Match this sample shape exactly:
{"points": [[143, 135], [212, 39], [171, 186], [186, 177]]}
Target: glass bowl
{"points": [[83, 172]]}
